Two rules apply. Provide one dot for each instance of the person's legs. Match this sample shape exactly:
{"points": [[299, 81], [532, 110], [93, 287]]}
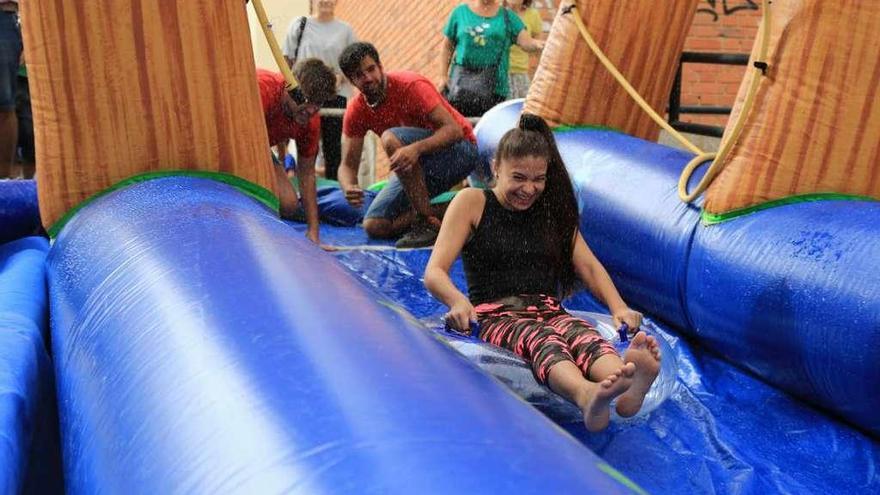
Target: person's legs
{"points": [[383, 228], [10, 57], [520, 330], [644, 353], [436, 173], [595, 356], [413, 180], [389, 215], [598, 359], [593, 399], [331, 138], [25, 128], [8, 140]]}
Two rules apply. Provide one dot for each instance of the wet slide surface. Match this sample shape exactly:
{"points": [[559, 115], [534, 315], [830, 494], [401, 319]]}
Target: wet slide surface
{"points": [[722, 430]]}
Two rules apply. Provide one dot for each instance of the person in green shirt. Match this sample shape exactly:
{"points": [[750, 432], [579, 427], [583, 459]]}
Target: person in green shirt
{"points": [[518, 76], [478, 36]]}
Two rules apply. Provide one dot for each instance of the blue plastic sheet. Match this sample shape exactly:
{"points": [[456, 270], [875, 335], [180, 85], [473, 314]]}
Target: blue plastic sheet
{"points": [[202, 345], [722, 430], [29, 461], [19, 214]]}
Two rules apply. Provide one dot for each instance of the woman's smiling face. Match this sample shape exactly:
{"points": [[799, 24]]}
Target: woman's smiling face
{"points": [[520, 181]]}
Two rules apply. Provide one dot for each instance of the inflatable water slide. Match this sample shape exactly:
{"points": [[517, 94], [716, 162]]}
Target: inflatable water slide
{"points": [[176, 336]]}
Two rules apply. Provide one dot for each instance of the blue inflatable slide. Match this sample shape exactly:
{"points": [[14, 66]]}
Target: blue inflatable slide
{"points": [[198, 344]]}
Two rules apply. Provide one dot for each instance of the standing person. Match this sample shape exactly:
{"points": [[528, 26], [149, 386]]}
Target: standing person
{"points": [[294, 115], [518, 76], [431, 146], [522, 252], [10, 57], [478, 37], [322, 36]]}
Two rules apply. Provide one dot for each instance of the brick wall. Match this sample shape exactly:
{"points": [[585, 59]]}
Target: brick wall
{"points": [[726, 26], [408, 35]]}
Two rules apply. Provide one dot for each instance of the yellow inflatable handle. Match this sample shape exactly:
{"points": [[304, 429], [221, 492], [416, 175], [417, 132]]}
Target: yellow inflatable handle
{"points": [[273, 44]]}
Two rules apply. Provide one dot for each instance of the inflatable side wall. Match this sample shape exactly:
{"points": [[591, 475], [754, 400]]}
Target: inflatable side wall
{"points": [[642, 38], [791, 293], [122, 88], [29, 452], [203, 346], [814, 128]]}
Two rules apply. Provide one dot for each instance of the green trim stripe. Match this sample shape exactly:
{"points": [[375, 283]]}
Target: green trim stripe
{"points": [[587, 127], [620, 477], [715, 218], [255, 191]]}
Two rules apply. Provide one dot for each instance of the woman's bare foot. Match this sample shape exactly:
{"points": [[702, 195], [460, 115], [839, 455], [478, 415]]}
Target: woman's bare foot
{"points": [[596, 399], [644, 352]]}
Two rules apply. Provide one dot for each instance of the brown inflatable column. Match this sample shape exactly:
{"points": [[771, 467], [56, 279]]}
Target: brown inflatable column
{"points": [[642, 38], [126, 87], [814, 128]]}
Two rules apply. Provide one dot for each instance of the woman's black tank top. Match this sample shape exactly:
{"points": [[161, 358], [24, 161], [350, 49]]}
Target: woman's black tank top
{"points": [[506, 255]]}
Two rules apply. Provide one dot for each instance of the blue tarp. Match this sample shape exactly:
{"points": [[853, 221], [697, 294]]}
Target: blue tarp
{"points": [[722, 431]]}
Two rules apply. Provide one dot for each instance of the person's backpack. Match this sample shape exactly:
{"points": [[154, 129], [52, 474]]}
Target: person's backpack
{"points": [[299, 38]]}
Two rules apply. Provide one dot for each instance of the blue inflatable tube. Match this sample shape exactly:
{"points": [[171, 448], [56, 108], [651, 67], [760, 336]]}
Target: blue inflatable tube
{"points": [[29, 461], [203, 346], [791, 293], [19, 214]]}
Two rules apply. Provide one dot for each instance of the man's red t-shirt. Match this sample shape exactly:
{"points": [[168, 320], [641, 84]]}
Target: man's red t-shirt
{"points": [[409, 98], [279, 126]]}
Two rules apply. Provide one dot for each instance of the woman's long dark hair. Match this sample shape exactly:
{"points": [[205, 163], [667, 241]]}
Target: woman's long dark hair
{"points": [[557, 206]]}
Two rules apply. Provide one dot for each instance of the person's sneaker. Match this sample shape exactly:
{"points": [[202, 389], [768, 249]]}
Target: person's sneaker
{"points": [[422, 234]]}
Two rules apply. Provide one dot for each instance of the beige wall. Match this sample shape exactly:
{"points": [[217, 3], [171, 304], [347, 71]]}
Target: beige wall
{"points": [[280, 13]]}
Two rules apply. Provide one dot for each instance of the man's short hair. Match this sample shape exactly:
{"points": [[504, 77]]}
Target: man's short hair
{"points": [[350, 59], [316, 81]]}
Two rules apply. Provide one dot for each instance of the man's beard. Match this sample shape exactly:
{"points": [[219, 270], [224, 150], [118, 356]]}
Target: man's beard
{"points": [[376, 96]]}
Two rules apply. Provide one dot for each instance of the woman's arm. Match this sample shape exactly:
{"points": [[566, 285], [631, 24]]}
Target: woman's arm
{"points": [[596, 278], [461, 218], [525, 41]]}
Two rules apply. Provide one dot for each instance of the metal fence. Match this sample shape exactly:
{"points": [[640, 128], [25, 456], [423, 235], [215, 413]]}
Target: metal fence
{"points": [[675, 107]]}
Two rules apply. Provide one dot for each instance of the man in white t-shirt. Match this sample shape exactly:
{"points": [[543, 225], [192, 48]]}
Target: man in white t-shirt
{"points": [[322, 36]]}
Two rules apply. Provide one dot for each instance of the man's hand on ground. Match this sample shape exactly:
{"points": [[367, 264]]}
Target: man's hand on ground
{"points": [[354, 195]]}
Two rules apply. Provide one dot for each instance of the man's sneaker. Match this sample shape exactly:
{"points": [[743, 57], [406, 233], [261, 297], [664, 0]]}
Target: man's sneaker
{"points": [[422, 234]]}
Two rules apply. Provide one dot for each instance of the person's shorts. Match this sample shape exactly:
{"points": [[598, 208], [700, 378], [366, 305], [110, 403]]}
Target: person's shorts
{"points": [[443, 169], [10, 57]]}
